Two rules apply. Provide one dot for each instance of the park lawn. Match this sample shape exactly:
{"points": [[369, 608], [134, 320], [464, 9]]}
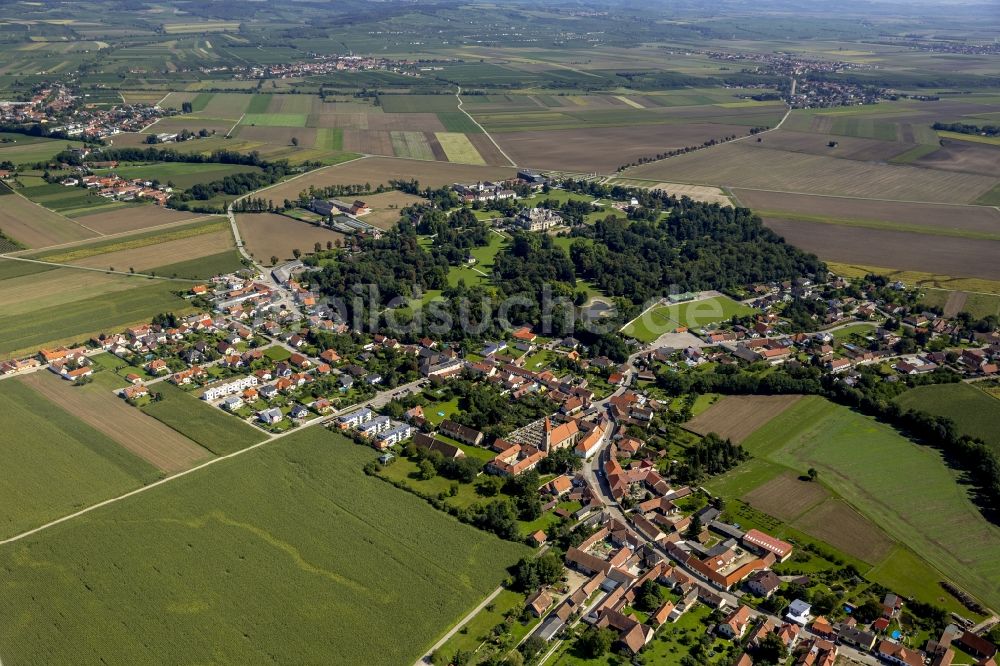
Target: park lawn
{"points": [[403, 471], [277, 353], [249, 558], [904, 488], [539, 360], [54, 464], [692, 315], [80, 319], [975, 412], [846, 333], [217, 431], [436, 412]]}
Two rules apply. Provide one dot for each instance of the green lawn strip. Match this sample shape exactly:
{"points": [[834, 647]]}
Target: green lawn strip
{"points": [[200, 101], [974, 412], [202, 267], [55, 464], [879, 224], [295, 528], [81, 319], [847, 332], [217, 431], [693, 314], [259, 103]]}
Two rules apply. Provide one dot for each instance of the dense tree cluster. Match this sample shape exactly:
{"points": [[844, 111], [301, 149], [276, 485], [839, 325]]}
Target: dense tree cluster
{"points": [[698, 246], [966, 128], [709, 456]]}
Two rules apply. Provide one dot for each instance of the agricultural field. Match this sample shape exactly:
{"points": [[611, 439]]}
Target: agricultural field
{"points": [[736, 417], [692, 314], [24, 149], [458, 148], [694, 192], [40, 304], [181, 174], [203, 267], [35, 226], [136, 219], [68, 201], [244, 547], [55, 463], [604, 149], [963, 156], [975, 412], [871, 467], [747, 165], [376, 171], [210, 427], [98, 406], [267, 235]]}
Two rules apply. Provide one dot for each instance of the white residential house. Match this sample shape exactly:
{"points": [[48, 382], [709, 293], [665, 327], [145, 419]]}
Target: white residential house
{"points": [[222, 390], [271, 416], [355, 418]]}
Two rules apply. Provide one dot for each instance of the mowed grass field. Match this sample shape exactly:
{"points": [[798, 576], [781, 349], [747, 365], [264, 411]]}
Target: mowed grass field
{"points": [[975, 413], [41, 305], [23, 149], [217, 431], [55, 464], [903, 490], [184, 175], [251, 558], [693, 315]]}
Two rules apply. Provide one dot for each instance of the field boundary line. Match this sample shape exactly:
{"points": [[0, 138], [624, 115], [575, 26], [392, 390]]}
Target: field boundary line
{"points": [[97, 270], [162, 99], [641, 314], [461, 107], [150, 124], [230, 132]]}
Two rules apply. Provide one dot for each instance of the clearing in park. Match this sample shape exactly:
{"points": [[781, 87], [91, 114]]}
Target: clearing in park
{"points": [[326, 549], [692, 314]]}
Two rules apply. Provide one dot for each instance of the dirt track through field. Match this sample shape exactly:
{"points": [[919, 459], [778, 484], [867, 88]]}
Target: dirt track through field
{"points": [[161, 446], [736, 417]]}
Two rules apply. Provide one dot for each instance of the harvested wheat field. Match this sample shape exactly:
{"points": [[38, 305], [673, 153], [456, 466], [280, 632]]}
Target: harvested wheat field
{"points": [[695, 192], [983, 219], [786, 496], [736, 417], [267, 235], [380, 170], [281, 136], [943, 255], [835, 522], [741, 165], [97, 406], [136, 218], [604, 149], [161, 254]]}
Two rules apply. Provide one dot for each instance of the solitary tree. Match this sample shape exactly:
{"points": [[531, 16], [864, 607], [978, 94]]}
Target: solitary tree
{"points": [[274, 260], [813, 473], [694, 528], [296, 253], [317, 246], [295, 140]]}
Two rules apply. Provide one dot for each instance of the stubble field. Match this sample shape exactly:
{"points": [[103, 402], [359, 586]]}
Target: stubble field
{"points": [[267, 234]]}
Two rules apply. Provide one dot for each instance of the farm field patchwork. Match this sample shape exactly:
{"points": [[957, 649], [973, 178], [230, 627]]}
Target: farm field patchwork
{"points": [[872, 467], [743, 165], [975, 412], [215, 430], [96, 405], [62, 464], [692, 314], [264, 549]]}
